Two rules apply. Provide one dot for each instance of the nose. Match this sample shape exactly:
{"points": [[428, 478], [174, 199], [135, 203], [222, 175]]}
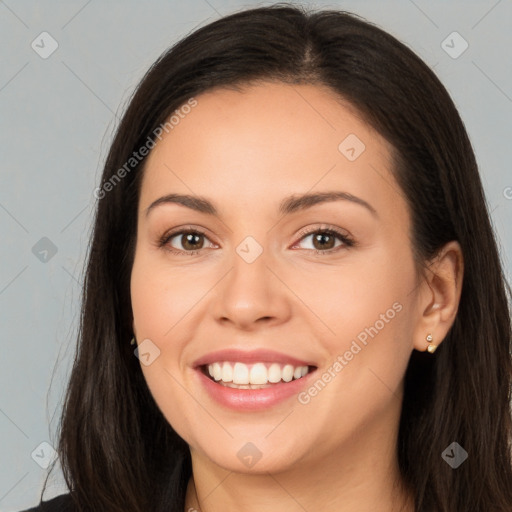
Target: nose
{"points": [[251, 295]]}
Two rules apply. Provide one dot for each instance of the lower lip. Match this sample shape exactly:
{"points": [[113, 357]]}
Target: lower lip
{"points": [[252, 399]]}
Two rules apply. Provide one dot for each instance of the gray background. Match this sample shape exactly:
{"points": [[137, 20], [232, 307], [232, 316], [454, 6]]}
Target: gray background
{"points": [[57, 118]]}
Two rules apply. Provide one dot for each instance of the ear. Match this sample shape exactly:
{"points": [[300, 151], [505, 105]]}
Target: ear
{"points": [[439, 296]]}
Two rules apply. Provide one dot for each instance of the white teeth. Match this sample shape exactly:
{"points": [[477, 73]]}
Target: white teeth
{"points": [[227, 372], [288, 373], [217, 371], [240, 373], [274, 373], [258, 374]]}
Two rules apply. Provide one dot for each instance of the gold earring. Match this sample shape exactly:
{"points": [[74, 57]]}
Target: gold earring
{"points": [[431, 347], [133, 341]]}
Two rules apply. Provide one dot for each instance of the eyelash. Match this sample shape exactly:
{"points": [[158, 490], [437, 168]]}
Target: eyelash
{"points": [[347, 241]]}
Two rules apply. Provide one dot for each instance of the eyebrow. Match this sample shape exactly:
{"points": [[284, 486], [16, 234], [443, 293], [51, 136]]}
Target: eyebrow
{"points": [[287, 206]]}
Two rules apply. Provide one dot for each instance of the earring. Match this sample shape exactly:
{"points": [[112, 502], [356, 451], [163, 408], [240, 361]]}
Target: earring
{"points": [[431, 347], [132, 342]]}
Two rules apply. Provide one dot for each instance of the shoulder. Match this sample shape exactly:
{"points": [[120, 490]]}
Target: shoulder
{"points": [[62, 503]]}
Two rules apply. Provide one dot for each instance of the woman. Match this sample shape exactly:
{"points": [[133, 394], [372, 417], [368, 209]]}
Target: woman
{"points": [[294, 298]]}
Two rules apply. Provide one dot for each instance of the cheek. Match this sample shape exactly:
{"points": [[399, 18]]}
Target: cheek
{"points": [[366, 308], [368, 291], [160, 297], [160, 300]]}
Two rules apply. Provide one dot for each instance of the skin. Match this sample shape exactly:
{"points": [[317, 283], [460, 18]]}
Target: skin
{"points": [[245, 152]]}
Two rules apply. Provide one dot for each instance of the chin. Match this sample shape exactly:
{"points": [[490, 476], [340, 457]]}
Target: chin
{"points": [[252, 451]]}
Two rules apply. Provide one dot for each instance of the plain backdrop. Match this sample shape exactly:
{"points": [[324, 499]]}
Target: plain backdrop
{"points": [[67, 70]]}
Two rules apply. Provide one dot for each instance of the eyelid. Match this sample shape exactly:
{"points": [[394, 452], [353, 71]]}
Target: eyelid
{"points": [[343, 235], [182, 230], [324, 227]]}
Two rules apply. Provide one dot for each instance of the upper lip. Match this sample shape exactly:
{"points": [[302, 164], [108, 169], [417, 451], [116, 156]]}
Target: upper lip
{"points": [[249, 356]]}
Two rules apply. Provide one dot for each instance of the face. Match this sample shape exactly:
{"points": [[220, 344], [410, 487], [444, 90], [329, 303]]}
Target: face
{"points": [[253, 285]]}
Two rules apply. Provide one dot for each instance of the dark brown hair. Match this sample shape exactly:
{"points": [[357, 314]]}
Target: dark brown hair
{"points": [[117, 451]]}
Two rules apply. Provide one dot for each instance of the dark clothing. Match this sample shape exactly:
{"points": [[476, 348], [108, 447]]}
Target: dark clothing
{"points": [[62, 503]]}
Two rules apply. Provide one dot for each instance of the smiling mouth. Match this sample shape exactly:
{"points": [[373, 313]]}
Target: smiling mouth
{"points": [[259, 375]]}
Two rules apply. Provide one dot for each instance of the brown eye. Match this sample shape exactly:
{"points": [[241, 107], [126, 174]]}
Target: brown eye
{"points": [[189, 240], [324, 240]]}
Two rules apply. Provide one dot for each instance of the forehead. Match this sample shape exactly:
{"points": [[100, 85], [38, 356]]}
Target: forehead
{"points": [[266, 141], [272, 116]]}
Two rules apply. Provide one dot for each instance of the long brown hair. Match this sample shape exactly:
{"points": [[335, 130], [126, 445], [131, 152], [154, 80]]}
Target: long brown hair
{"points": [[118, 453]]}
